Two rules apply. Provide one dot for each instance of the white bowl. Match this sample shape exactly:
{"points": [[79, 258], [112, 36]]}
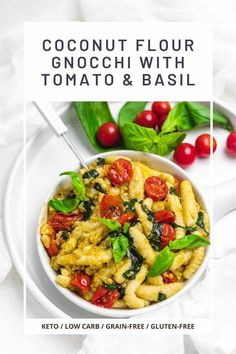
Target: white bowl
{"points": [[154, 161]]}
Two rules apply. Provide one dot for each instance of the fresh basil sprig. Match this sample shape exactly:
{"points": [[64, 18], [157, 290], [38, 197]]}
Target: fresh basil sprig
{"points": [[65, 205], [189, 241], [119, 247], [78, 184], [129, 112], [112, 224], [163, 262], [147, 140]]}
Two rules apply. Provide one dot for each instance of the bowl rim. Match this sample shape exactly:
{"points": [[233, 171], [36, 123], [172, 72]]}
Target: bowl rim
{"points": [[119, 313]]}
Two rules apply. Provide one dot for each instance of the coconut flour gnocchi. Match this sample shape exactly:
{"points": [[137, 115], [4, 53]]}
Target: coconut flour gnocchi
{"points": [[123, 235]]}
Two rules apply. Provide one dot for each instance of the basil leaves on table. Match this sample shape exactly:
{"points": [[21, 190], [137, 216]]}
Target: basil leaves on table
{"points": [[187, 115], [163, 262], [129, 112], [119, 247], [189, 241], [147, 140], [65, 205], [111, 224]]}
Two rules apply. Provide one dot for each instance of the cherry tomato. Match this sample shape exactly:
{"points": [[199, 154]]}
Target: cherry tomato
{"points": [[231, 143], [127, 217], [147, 119], [62, 222], [167, 235], [185, 155], [52, 250], [104, 297], [169, 277], [160, 122], [82, 281], [203, 145], [156, 188], [161, 108], [108, 134], [120, 172], [166, 216], [111, 207]]}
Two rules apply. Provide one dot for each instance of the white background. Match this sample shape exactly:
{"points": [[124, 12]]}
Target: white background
{"points": [[12, 14]]}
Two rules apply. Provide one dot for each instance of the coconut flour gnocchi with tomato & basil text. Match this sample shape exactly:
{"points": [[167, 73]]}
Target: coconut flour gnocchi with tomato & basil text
{"points": [[123, 235]]}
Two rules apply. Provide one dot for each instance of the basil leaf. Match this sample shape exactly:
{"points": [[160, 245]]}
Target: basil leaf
{"points": [[112, 224], [136, 262], [87, 205], [79, 187], [99, 188], [100, 161], [173, 191], [130, 205], [200, 222], [146, 139], [161, 297], [189, 241], [119, 247], [126, 227], [187, 115], [129, 112], [162, 263], [91, 174], [187, 228], [155, 236], [92, 115], [64, 205], [150, 214]]}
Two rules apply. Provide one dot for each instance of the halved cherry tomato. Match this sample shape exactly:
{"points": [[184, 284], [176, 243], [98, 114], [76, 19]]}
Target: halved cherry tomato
{"points": [[62, 222], [120, 172], [111, 206], [166, 216], [156, 188], [82, 281], [52, 250], [169, 277], [167, 235], [127, 217], [104, 297]]}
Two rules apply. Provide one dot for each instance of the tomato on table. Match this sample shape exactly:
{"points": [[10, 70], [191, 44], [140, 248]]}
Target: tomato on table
{"points": [[104, 297], [164, 216], [185, 154], [203, 145], [120, 172], [127, 217], [161, 108], [63, 222], [167, 235], [109, 134], [147, 119], [156, 188], [111, 206], [81, 281], [169, 277], [231, 144]]}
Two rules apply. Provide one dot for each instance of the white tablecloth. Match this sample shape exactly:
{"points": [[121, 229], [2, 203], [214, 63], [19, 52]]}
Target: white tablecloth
{"points": [[12, 14]]}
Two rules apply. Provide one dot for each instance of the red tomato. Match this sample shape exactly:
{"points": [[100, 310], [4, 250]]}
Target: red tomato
{"points": [[166, 216], [156, 188], [127, 217], [231, 143], [82, 281], [161, 108], [169, 277], [167, 235], [108, 134], [52, 250], [160, 122], [120, 172], [203, 143], [111, 206], [104, 297], [147, 119], [185, 155], [62, 222]]}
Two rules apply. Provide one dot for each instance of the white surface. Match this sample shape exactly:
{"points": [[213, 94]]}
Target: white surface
{"points": [[12, 13]]}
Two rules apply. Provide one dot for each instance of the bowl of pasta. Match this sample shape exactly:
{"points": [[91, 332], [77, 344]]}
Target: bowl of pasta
{"points": [[125, 236]]}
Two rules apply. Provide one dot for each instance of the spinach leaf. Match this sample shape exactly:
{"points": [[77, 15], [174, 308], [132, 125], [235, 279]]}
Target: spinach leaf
{"points": [[200, 222], [64, 205], [78, 184], [112, 224], [155, 236], [87, 205], [99, 188], [136, 262], [130, 205], [163, 262], [187, 228], [173, 191], [189, 241], [129, 112], [91, 174], [119, 247], [92, 115], [187, 115], [161, 297], [100, 161], [147, 140]]}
